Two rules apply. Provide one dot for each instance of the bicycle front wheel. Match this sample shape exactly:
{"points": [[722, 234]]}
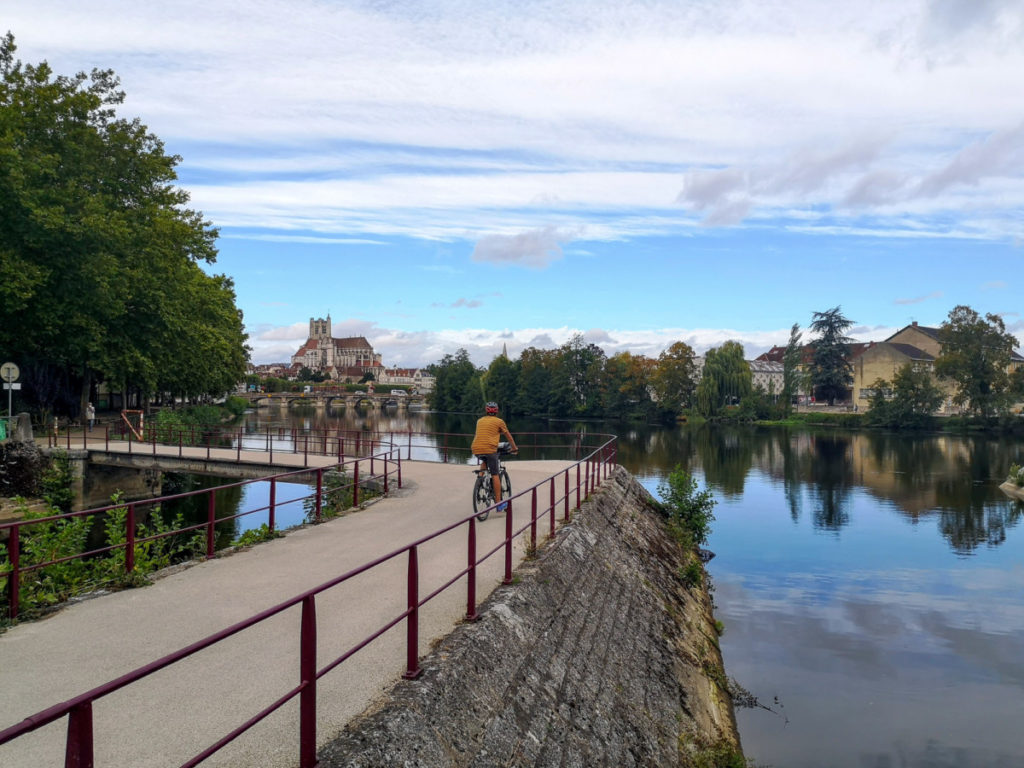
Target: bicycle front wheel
{"points": [[483, 497]]}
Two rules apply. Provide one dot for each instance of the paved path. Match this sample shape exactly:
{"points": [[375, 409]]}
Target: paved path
{"points": [[171, 716]]}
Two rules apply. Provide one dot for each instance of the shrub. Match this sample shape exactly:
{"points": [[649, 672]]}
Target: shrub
{"points": [[689, 511]]}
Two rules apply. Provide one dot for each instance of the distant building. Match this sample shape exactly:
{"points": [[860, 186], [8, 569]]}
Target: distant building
{"points": [[411, 377], [339, 359], [767, 375]]}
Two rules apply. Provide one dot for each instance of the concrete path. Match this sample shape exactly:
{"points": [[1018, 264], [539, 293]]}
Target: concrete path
{"points": [[167, 718]]}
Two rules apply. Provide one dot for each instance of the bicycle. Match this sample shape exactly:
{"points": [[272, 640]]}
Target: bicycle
{"points": [[483, 488]]}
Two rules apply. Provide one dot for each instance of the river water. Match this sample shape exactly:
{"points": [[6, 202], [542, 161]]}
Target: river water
{"points": [[871, 585]]}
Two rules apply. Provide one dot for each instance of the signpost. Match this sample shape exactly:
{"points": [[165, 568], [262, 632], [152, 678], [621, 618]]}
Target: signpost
{"points": [[9, 373]]}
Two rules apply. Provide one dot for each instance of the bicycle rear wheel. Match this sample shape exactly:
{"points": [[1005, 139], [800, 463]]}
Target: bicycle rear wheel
{"points": [[483, 497]]}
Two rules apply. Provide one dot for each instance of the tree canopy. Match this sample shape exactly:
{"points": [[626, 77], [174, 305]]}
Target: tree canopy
{"points": [[726, 379], [100, 275], [831, 370], [976, 354]]}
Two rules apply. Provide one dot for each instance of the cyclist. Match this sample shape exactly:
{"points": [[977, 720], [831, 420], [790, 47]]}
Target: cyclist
{"points": [[489, 429]]}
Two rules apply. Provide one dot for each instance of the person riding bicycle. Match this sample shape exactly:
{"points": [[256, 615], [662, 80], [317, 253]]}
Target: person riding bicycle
{"points": [[489, 429]]}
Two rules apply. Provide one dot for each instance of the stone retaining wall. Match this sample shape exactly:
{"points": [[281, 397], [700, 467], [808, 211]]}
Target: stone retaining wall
{"points": [[597, 656]]}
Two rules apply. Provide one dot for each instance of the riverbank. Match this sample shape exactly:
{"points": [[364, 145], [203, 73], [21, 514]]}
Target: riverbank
{"points": [[599, 654]]}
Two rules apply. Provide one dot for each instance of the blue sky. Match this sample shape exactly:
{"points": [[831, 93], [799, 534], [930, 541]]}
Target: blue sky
{"points": [[438, 175]]}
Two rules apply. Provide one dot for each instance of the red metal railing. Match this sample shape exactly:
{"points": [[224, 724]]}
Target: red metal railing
{"points": [[428, 446], [589, 472], [379, 469]]}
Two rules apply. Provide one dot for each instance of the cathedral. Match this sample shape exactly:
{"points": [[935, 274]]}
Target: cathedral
{"points": [[345, 360]]}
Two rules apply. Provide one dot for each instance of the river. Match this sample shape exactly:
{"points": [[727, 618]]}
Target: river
{"points": [[870, 584]]}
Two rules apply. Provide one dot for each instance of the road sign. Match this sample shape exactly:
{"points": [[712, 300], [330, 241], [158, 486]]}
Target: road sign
{"points": [[8, 385], [9, 372]]}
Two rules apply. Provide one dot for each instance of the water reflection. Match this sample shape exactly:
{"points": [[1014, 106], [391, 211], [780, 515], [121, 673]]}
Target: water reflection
{"points": [[871, 581]]}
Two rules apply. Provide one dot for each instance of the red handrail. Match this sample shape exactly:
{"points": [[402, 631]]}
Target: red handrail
{"points": [[79, 745]]}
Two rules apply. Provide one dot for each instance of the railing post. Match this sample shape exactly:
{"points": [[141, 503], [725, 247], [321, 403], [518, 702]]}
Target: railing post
{"points": [[412, 627], [211, 509], [566, 500], [273, 503], [385, 475], [129, 540], [508, 543], [399, 467], [533, 519], [14, 580], [471, 614], [307, 678], [578, 488], [551, 511], [319, 493], [78, 749], [355, 484]]}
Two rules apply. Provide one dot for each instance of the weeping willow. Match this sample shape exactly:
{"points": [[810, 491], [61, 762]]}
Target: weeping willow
{"points": [[726, 379]]}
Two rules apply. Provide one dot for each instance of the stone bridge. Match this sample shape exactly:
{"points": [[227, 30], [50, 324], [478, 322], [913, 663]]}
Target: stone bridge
{"points": [[377, 400]]}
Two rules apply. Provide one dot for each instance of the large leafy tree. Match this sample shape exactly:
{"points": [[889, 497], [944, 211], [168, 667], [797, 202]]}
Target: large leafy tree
{"points": [[536, 368], [976, 354], [628, 386], [100, 274], [501, 383], [674, 379], [577, 380], [831, 369], [726, 379], [457, 384]]}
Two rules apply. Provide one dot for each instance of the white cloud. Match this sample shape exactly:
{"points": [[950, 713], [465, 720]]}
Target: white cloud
{"points": [[466, 120]]}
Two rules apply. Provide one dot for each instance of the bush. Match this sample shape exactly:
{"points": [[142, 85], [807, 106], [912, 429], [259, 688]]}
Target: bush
{"points": [[1016, 475], [689, 511]]}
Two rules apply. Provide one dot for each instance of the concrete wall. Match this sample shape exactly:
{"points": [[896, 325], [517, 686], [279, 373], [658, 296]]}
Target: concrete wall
{"points": [[597, 656]]}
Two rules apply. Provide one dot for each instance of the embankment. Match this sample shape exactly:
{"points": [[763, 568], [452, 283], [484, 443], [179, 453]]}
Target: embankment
{"points": [[598, 655]]}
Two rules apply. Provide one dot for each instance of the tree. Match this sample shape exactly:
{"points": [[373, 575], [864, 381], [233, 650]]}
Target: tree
{"points": [[976, 354], [535, 375], [628, 386], [99, 255], [726, 379], [456, 378], [577, 378], [791, 360], [674, 379], [907, 402], [501, 383], [831, 370]]}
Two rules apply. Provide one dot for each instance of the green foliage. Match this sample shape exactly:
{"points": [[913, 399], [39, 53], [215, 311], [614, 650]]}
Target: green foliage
{"points": [[723, 754], [976, 354], [692, 574], [236, 406], [67, 536], [456, 387], [690, 512], [792, 379], [56, 483], [908, 402], [831, 371], [1016, 475], [99, 255], [256, 536], [726, 380], [675, 378]]}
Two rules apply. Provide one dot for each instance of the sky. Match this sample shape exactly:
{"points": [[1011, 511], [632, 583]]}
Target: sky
{"points": [[454, 174]]}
